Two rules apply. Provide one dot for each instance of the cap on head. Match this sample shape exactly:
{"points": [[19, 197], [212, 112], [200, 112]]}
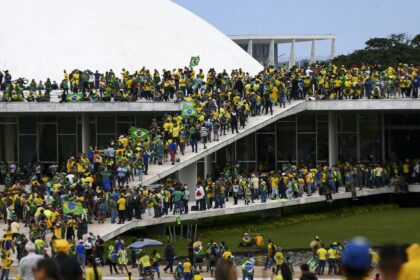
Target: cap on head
{"points": [[356, 254]]}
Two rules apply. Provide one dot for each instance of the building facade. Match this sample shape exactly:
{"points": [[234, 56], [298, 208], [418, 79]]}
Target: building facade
{"points": [[360, 136]]}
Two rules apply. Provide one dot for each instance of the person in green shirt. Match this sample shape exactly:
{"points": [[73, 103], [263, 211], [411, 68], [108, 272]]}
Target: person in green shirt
{"points": [[177, 200]]}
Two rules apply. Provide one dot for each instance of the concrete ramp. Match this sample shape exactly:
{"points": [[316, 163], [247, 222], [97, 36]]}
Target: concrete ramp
{"points": [[157, 172]]}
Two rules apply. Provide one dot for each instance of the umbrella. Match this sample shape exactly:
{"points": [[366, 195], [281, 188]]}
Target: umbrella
{"points": [[145, 242]]}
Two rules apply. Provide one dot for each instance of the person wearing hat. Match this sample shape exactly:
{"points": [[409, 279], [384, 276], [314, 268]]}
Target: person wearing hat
{"points": [[68, 267], [357, 260]]}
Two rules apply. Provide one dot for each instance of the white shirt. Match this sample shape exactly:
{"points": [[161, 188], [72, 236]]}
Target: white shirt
{"points": [[199, 193], [27, 264]]}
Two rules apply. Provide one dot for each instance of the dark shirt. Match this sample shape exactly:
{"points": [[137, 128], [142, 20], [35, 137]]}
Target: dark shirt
{"points": [[68, 268]]}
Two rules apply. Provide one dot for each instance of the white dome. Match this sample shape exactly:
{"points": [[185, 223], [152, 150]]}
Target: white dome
{"points": [[41, 38]]}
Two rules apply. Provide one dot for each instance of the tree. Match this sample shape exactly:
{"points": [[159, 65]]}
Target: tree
{"points": [[385, 51]]}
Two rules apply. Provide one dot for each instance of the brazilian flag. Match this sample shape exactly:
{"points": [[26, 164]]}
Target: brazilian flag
{"points": [[70, 207], [139, 133], [74, 97], [194, 61], [189, 110]]}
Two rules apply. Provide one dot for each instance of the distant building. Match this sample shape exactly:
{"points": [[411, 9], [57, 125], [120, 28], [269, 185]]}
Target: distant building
{"points": [[264, 48]]}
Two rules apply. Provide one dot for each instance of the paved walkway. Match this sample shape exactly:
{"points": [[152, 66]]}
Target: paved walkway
{"points": [[259, 274], [109, 231]]}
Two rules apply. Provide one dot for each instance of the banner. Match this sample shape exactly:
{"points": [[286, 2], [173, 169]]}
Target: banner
{"points": [[194, 61], [189, 110], [74, 97], [139, 133], [70, 207]]}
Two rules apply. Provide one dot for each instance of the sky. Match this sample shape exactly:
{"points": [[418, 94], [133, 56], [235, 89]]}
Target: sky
{"points": [[352, 21]]}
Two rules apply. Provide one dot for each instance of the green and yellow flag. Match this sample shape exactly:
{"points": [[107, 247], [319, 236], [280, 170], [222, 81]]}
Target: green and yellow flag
{"points": [[189, 110], [139, 133], [70, 207], [74, 97], [194, 61]]}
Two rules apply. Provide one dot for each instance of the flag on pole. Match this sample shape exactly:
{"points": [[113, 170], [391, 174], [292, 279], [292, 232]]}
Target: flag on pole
{"points": [[139, 133], [194, 61], [70, 207], [189, 110], [73, 97]]}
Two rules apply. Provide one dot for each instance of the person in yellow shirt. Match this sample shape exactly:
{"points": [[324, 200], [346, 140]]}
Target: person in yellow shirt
{"points": [[145, 264], [279, 258], [93, 272], [197, 276], [322, 256], [227, 255], [6, 262], [332, 260], [121, 209], [187, 269]]}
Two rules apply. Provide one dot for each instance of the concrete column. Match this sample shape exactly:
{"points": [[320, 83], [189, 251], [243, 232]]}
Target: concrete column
{"points": [[249, 50], [332, 139], [332, 54], [292, 59], [313, 52], [208, 166], [85, 133], [188, 176], [271, 53], [10, 142]]}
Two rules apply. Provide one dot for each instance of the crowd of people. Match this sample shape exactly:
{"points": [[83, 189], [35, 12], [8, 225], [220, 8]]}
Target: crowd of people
{"points": [[59, 202], [323, 81], [353, 260]]}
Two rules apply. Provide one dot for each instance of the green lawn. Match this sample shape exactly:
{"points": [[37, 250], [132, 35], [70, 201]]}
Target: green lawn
{"points": [[380, 224], [389, 226]]}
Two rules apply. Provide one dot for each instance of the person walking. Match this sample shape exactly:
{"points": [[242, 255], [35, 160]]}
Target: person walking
{"points": [[204, 134], [169, 254]]}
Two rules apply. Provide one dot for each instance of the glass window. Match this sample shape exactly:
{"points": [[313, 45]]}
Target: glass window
{"points": [[104, 140], [321, 117], [225, 156], [8, 119], [286, 141], [27, 149], [125, 118], [8, 143], [47, 119], [402, 144], [347, 147], [246, 167], [200, 171], [66, 146], [245, 148], [47, 145], [307, 148], [27, 125], [92, 136], [67, 125], [370, 142], [79, 138], [268, 128], [322, 141], [266, 155], [403, 119], [122, 128], [346, 123], [288, 119], [106, 124], [306, 122]]}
